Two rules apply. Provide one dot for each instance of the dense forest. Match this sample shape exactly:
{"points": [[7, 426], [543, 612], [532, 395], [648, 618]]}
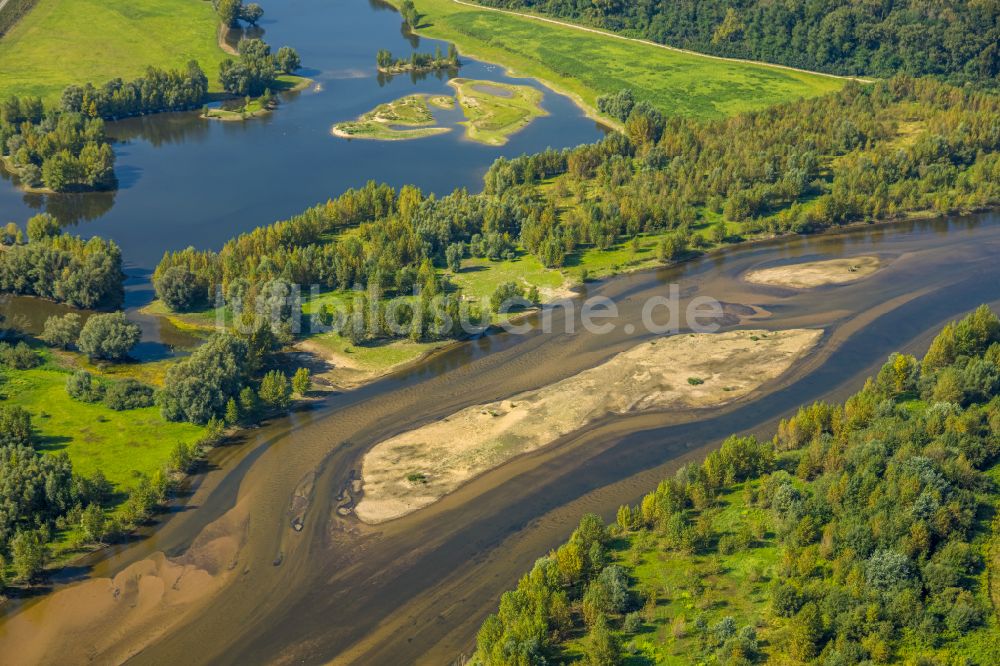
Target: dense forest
{"points": [[62, 151], [874, 519], [958, 40], [158, 90], [865, 153]]}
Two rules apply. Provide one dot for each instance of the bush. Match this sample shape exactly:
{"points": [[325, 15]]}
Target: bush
{"points": [[128, 394], [508, 296], [178, 289], [19, 356], [82, 386], [61, 331], [15, 427], [108, 336]]}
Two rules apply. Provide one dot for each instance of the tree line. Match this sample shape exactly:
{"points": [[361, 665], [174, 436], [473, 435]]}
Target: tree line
{"points": [[880, 508], [956, 40], [795, 168], [386, 62], [158, 90], [61, 150]]}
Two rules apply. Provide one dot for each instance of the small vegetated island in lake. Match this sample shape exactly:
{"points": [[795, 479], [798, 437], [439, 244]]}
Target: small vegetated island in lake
{"points": [[417, 62], [493, 112], [408, 117]]}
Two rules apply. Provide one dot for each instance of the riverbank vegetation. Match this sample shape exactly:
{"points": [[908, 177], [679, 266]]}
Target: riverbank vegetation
{"points": [[666, 188], [51, 47], [157, 90], [958, 43], [417, 62], [57, 151], [256, 70], [85, 458], [494, 111], [586, 65], [861, 533], [386, 121], [64, 268]]}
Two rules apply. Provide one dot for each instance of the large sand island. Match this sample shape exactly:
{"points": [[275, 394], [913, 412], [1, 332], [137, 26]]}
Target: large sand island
{"points": [[418, 467]]}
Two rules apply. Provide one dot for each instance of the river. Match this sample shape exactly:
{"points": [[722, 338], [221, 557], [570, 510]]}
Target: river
{"points": [[274, 573]]}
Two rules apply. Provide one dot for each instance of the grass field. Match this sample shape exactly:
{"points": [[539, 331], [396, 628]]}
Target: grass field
{"points": [[494, 111], [120, 444], [74, 41], [585, 64]]}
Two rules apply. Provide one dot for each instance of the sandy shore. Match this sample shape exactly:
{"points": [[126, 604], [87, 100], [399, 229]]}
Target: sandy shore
{"points": [[418, 467], [816, 273]]}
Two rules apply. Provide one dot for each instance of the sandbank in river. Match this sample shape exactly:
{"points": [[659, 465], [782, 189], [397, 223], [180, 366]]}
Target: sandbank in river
{"points": [[419, 467]]}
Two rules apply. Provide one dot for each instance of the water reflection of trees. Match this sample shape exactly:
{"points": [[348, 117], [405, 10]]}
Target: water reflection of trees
{"points": [[161, 128], [234, 35]]}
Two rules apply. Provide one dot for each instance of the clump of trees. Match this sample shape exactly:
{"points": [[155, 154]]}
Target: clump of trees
{"points": [[389, 64], [62, 151], [958, 43], [65, 268], [256, 69], [880, 508], [409, 13], [108, 337], [158, 90], [231, 12]]}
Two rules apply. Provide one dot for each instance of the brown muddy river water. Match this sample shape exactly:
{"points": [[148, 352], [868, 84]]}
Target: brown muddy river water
{"points": [[258, 565]]}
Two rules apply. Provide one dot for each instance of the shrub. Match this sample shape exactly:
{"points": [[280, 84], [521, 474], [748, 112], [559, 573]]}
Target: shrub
{"points": [[15, 426], [108, 336], [82, 386], [61, 331], [19, 356], [128, 394], [178, 289]]}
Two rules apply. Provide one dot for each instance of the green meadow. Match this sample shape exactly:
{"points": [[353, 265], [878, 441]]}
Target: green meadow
{"points": [[122, 445], [587, 64], [60, 42]]}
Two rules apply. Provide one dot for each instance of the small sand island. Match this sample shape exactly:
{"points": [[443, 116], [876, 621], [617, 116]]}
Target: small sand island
{"points": [[494, 111], [816, 273], [385, 121], [419, 467]]}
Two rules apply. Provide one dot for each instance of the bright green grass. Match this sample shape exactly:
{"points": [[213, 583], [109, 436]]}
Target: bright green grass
{"points": [[120, 444], [585, 64], [74, 41], [479, 278]]}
